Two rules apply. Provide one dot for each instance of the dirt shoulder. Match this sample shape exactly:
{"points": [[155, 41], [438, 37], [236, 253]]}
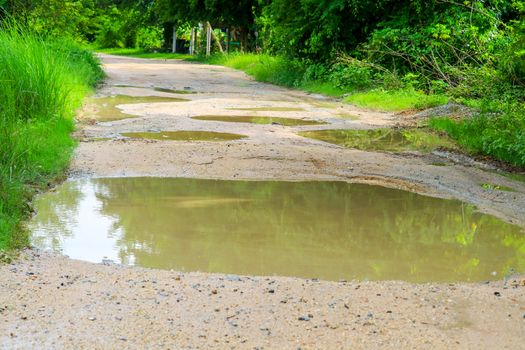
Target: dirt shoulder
{"points": [[63, 303], [51, 301]]}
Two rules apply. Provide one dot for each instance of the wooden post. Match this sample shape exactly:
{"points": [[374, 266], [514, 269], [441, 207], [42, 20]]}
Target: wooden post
{"points": [[192, 41], [174, 45], [211, 35], [228, 38], [198, 41], [208, 39]]}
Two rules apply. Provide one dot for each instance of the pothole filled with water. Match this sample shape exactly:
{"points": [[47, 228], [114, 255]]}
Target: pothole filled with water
{"points": [[268, 109], [184, 135], [159, 89], [327, 230], [259, 120], [106, 108], [382, 139]]}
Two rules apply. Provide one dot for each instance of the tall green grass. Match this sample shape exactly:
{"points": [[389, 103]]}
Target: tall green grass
{"points": [[498, 134], [396, 100], [42, 82], [263, 67]]}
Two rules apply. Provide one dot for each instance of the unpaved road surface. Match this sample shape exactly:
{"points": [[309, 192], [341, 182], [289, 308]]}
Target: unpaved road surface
{"points": [[270, 152], [50, 301]]}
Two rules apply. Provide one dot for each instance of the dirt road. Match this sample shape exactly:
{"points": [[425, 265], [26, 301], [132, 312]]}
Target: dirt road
{"points": [[50, 301]]}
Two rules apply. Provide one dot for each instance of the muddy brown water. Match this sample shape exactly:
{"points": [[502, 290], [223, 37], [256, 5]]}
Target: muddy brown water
{"points": [[184, 135], [160, 89], [327, 230], [259, 120], [382, 139], [107, 107], [268, 109]]}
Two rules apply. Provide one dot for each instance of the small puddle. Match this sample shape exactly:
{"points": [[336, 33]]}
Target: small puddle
{"points": [[348, 116], [382, 139], [269, 109], [325, 104], [184, 136], [97, 139], [515, 176], [520, 177], [259, 120], [106, 109], [159, 89], [267, 228]]}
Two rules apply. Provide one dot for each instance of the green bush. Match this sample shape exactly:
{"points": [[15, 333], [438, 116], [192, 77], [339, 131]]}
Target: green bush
{"points": [[352, 75], [150, 38], [513, 60]]}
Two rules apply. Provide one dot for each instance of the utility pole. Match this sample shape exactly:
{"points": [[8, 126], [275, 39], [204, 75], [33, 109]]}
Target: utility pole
{"points": [[228, 38], [174, 45], [192, 41], [208, 39]]}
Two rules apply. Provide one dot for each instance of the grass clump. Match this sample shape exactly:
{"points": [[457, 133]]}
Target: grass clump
{"points": [[262, 67], [498, 134], [396, 100], [42, 83]]}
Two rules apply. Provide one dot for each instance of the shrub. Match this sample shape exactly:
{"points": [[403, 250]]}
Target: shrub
{"points": [[150, 38], [352, 75]]}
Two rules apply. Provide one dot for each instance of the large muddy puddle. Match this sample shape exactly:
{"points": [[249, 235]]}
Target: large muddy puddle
{"points": [[327, 230], [259, 120], [382, 139]]}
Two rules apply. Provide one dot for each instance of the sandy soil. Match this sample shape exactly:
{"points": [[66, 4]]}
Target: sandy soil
{"points": [[50, 301], [63, 303]]}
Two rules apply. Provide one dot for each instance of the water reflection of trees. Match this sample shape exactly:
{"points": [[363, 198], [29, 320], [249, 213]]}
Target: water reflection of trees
{"points": [[57, 215], [382, 139], [325, 229]]}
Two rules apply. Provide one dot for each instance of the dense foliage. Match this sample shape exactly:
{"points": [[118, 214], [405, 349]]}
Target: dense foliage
{"points": [[107, 23]]}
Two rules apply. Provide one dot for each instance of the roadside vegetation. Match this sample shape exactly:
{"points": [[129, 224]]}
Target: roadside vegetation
{"points": [[42, 82]]}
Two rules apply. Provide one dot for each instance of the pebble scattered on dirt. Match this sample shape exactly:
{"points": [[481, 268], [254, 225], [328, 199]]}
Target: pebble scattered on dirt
{"points": [[50, 301]]}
